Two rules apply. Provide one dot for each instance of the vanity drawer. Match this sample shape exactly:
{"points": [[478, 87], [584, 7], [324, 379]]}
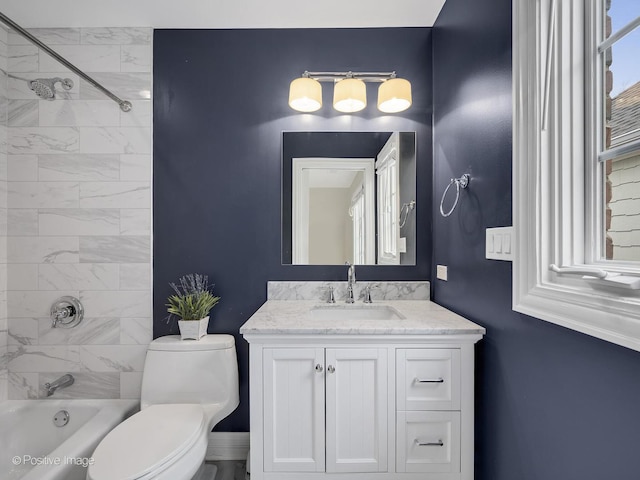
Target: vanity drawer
{"points": [[428, 379], [428, 442]]}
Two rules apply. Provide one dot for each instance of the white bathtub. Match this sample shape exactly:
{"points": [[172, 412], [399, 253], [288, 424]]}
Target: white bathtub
{"points": [[33, 448]]}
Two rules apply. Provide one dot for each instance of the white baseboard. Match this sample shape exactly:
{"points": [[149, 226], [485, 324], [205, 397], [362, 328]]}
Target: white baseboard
{"points": [[227, 446]]}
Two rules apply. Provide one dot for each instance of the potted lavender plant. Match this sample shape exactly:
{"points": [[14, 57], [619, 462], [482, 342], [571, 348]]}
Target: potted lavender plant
{"points": [[191, 303]]}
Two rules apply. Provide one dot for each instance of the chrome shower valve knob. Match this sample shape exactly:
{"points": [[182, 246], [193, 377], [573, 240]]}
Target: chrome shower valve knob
{"points": [[66, 312]]}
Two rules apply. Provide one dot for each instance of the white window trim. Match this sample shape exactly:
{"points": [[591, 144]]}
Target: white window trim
{"points": [[359, 226], [388, 190], [549, 202]]}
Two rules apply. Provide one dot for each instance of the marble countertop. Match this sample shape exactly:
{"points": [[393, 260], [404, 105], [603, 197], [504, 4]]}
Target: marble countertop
{"points": [[421, 317]]}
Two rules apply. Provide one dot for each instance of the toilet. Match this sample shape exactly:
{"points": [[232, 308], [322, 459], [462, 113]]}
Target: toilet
{"points": [[188, 386]]}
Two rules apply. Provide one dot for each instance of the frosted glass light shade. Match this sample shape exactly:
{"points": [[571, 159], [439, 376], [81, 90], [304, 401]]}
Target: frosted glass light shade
{"points": [[394, 95], [305, 95], [349, 95]]}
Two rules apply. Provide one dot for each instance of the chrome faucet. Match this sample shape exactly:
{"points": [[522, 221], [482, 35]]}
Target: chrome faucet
{"points": [[62, 382], [351, 279]]}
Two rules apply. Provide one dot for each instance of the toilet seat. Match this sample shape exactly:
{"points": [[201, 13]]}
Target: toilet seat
{"points": [[148, 442]]}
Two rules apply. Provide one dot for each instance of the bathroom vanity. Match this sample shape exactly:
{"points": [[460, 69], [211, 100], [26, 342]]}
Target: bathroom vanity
{"points": [[362, 391]]}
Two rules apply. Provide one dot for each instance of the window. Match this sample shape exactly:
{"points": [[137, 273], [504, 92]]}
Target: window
{"points": [[388, 203], [576, 165]]}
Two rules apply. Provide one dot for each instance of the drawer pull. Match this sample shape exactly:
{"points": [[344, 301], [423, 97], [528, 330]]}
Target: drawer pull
{"points": [[319, 368], [421, 380], [439, 443]]}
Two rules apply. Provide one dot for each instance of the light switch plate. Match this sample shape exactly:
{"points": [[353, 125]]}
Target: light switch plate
{"points": [[441, 272], [499, 243], [402, 245]]}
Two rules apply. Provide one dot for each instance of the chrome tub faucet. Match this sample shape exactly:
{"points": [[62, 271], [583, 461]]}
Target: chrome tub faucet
{"points": [[62, 382]]}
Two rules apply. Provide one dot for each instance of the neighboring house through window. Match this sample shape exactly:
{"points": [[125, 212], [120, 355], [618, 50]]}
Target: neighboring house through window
{"points": [[623, 174]]}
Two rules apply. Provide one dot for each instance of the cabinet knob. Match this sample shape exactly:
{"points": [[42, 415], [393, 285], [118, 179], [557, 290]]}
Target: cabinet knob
{"points": [[319, 368], [331, 369]]}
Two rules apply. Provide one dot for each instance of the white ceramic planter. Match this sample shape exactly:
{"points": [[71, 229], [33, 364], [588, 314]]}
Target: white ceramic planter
{"points": [[193, 329]]}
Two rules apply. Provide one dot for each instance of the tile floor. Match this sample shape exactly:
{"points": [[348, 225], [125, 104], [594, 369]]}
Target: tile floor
{"points": [[227, 470]]}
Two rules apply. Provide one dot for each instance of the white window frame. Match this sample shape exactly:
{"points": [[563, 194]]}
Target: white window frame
{"points": [[552, 205], [388, 182], [358, 217]]}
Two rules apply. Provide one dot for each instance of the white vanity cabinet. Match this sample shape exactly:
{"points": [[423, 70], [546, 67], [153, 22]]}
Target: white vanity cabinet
{"points": [[380, 408], [351, 392]]}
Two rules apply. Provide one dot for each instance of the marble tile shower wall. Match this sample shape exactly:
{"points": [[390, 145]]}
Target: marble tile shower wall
{"points": [[3, 213], [79, 213]]}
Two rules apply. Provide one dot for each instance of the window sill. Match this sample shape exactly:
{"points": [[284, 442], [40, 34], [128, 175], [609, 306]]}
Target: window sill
{"points": [[597, 313]]}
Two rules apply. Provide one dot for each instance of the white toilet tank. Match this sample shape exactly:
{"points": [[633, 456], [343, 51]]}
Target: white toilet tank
{"points": [[201, 371]]}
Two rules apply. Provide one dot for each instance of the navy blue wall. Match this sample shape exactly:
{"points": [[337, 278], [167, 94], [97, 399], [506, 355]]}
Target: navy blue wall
{"points": [[220, 106], [551, 403]]}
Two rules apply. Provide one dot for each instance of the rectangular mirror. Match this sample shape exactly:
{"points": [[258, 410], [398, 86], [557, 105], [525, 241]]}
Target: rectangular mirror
{"points": [[348, 197]]}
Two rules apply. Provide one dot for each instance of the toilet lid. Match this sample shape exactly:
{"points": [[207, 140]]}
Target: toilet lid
{"points": [[147, 440]]}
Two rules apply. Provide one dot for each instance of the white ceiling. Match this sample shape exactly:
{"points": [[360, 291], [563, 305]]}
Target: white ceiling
{"points": [[222, 14]]}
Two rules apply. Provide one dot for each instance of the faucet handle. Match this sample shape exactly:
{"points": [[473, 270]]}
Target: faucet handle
{"points": [[367, 294], [331, 298], [351, 272]]}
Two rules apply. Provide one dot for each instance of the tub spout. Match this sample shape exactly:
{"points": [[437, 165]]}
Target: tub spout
{"points": [[62, 382]]}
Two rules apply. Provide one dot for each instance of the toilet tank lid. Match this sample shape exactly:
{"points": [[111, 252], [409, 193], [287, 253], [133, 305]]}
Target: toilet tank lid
{"points": [[173, 343]]}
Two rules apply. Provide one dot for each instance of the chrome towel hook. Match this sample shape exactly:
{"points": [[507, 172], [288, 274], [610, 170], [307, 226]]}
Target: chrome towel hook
{"points": [[462, 182]]}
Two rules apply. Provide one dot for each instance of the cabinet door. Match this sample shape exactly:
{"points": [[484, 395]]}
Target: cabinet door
{"points": [[294, 410], [356, 382]]}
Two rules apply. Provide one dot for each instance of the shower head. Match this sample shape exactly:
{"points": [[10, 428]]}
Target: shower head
{"points": [[45, 87]]}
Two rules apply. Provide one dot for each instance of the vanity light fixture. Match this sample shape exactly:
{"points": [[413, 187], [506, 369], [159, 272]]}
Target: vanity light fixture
{"points": [[394, 95], [349, 95], [349, 92], [305, 94]]}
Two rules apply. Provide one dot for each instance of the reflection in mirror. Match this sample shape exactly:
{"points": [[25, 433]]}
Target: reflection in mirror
{"points": [[348, 197], [333, 211]]}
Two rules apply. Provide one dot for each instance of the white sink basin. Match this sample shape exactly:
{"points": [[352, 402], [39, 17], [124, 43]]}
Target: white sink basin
{"points": [[355, 312]]}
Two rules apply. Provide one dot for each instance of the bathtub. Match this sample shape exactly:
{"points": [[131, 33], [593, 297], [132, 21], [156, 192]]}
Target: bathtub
{"points": [[33, 448]]}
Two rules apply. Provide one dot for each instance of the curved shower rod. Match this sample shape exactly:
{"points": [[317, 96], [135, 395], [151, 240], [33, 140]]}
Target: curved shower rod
{"points": [[125, 105]]}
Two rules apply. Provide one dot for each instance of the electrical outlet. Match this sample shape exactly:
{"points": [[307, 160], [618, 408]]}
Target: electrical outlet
{"points": [[441, 272]]}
